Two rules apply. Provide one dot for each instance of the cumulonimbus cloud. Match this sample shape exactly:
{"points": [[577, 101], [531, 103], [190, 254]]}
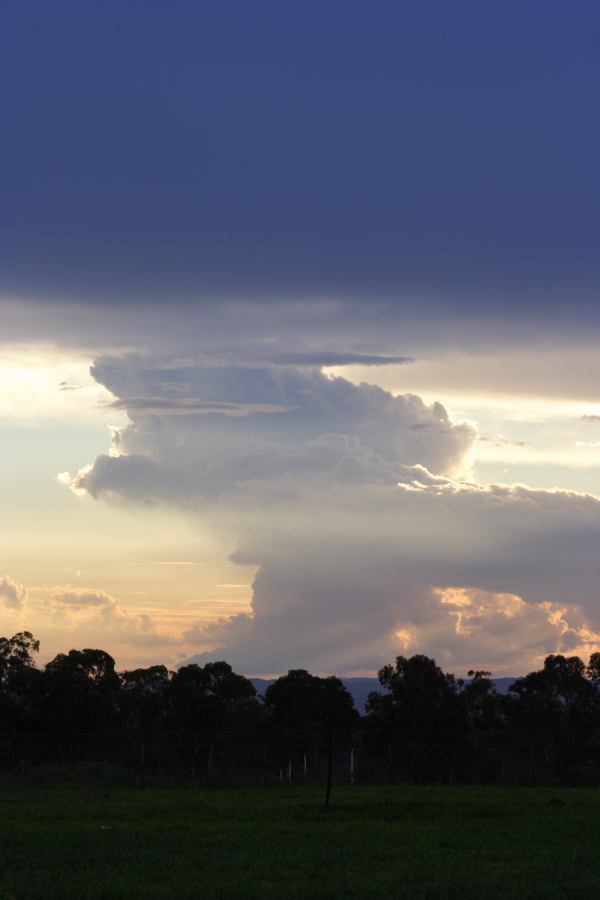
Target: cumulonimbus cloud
{"points": [[353, 503]]}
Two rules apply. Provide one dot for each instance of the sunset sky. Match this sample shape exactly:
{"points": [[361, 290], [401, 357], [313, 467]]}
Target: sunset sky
{"points": [[299, 331]]}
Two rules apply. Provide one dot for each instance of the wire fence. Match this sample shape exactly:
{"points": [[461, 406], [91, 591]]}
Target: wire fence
{"points": [[529, 757]]}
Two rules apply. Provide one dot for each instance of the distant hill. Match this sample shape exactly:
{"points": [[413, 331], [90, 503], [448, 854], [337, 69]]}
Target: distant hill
{"points": [[360, 688], [503, 684]]}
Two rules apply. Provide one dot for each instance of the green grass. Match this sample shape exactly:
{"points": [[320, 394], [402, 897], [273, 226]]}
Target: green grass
{"points": [[413, 842]]}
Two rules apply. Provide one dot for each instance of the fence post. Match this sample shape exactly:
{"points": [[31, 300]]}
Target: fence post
{"points": [[194, 755], [329, 763], [212, 751], [143, 760]]}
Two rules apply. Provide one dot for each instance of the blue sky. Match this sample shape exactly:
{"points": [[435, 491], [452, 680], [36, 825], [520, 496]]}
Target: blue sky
{"points": [[283, 276]]}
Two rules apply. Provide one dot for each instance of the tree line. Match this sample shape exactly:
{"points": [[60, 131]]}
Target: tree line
{"points": [[424, 725]]}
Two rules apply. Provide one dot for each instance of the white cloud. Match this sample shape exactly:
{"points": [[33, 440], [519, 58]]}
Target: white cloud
{"points": [[317, 429], [12, 593], [81, 607], [351, 504], [63, 617]]}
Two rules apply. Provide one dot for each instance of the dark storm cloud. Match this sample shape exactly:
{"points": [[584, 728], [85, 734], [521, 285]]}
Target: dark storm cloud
{"points": [[421, 153]]}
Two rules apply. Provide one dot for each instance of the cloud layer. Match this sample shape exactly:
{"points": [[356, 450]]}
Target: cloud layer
{"points": [[297, 152]]}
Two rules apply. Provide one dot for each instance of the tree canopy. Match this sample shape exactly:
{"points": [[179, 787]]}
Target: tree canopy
{"points": [[426, 723]]}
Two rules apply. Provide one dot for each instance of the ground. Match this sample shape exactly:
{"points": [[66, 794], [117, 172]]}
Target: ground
{"points": [[396, 842]]}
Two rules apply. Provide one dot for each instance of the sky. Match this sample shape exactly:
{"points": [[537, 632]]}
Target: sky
{"points": [[299, 327]]}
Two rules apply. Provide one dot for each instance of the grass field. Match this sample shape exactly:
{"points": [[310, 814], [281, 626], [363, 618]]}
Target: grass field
{"points": [[417, 842]]}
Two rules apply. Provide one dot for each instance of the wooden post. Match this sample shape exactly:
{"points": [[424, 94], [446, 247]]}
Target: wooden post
{"points": [[143, 761], [212, 751], [195, 755], [329, 763]]}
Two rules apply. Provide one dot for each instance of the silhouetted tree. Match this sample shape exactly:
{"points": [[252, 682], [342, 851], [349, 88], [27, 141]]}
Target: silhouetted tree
{"points": [[560, 706], [17, 653], [424, 724], [79, 692], [556, 696], [419, 720], [419, 696], [143, 698], [300, 701], [207, 697], [18, 681], [483, 705], [593, 669]]}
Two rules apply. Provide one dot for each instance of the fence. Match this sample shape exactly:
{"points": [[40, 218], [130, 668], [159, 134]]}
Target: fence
{"points": [[299, 758]]}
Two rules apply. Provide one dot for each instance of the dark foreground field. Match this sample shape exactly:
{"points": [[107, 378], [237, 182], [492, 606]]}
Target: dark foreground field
{"points": [[397, 842]]}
